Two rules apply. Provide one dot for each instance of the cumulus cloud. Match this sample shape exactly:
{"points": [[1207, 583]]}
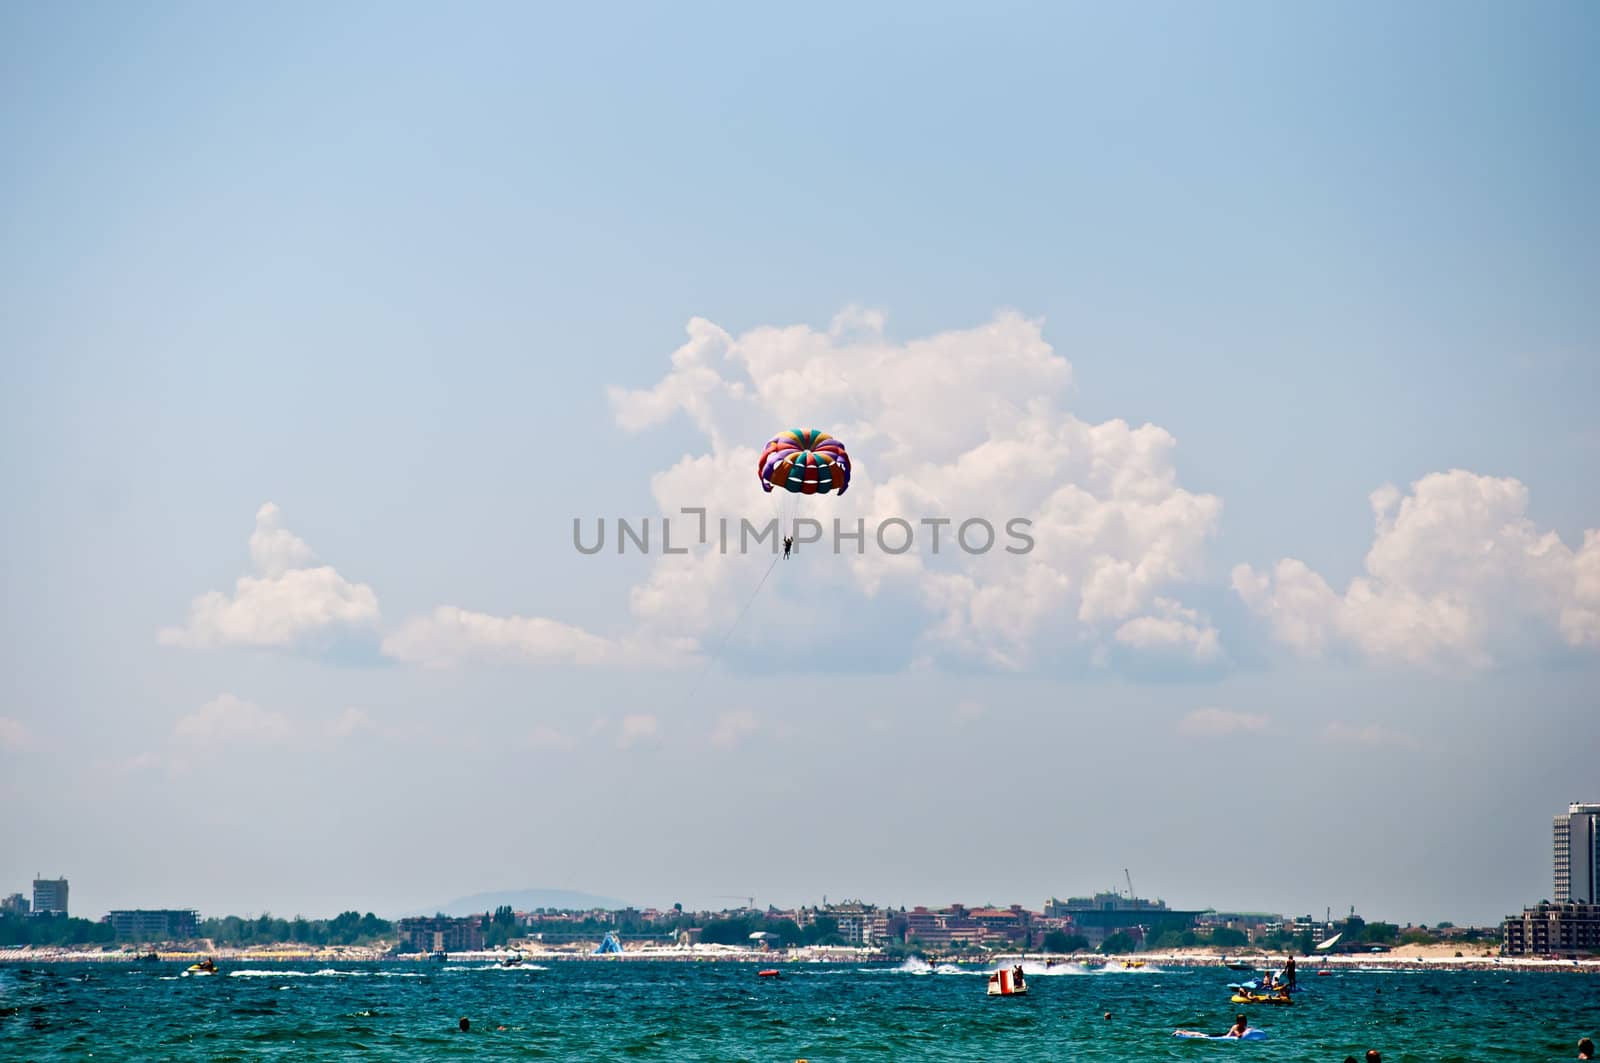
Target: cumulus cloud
{"points": [[351, 722], [1213, 722], [639, 729], [288, 602], [965, 423], [1372, 735], [1457, 573], [449, 635], [733, 728], [15, 736], [1174, 630], [229, 720]]}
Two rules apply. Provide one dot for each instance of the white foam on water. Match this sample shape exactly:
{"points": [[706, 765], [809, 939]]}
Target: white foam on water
{"points": [[1117, 968], [1033, 968], [500, 967], [326, 972]]}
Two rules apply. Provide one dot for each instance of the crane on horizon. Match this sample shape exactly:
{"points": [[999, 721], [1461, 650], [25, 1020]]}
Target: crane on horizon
{"points": [[750, 902], [1129, 877]]}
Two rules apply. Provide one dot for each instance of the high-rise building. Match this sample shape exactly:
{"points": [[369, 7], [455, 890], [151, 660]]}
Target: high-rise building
{"points": [[442, 934], [49, 896], [1577, 853]]}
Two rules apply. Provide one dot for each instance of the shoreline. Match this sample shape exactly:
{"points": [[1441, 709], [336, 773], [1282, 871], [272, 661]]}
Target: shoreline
{"points": [[1423, 959]]}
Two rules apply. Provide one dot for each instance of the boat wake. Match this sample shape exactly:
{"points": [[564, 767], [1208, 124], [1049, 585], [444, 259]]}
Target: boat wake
{"points": [[496, 967], [1034, 969], [918, 966]]}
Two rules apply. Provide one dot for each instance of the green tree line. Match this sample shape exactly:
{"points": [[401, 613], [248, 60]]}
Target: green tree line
{"points": [[346, 928], [17, 930]]}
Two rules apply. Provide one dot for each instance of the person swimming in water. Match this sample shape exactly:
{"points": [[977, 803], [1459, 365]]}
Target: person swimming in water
{"points": [[1239, 1026]]}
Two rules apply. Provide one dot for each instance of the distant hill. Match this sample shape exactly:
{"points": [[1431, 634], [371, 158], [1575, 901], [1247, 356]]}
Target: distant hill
{"points": [[522, 901]]}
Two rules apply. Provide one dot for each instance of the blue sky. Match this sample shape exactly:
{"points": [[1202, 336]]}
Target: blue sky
{"points": [[389, 268]]}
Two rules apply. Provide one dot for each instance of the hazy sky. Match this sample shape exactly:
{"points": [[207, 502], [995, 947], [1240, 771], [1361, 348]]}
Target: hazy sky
{"points": [[320, 325]]}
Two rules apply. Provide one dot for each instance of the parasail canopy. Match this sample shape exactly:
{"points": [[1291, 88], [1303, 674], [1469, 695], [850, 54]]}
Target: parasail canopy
{"points": [[804, 461]]}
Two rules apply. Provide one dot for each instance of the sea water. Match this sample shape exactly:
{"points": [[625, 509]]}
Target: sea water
{"points": [[630, 1010]]}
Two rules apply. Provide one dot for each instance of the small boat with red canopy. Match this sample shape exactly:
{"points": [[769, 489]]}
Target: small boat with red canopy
{"points": [[1008, 982]]}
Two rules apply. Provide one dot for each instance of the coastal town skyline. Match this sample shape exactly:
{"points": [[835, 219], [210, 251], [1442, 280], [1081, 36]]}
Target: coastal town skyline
{"points": [[1092, 917], [1574, 862]]}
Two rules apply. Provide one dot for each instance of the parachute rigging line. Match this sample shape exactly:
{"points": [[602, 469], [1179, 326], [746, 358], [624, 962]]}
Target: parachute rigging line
{"points": [[723, 642]]}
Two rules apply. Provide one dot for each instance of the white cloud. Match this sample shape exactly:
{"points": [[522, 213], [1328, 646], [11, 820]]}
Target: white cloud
{"points": [[639, 729], [448, 636], [545, 737], [140, 763], [351, 722], [1174, 630], [1212, 722], [289, 602], [1371, 734], [274, 549], [228, 720], [1456, 573], [967, 423], [733, 728], [15, 736]]}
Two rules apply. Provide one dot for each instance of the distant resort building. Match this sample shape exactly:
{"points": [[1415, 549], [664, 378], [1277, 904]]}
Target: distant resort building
{"points": [[958, 926], [16, 904], [1104, 914], [49, 896], [1548, 929], [859, 924], [441, 934], [153, 924]]}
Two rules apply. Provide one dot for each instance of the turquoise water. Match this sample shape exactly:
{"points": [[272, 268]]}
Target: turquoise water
{"points": [[692, 1011]]}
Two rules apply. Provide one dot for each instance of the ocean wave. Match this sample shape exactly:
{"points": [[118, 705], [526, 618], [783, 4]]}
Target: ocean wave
{"points": [[326, 972]]}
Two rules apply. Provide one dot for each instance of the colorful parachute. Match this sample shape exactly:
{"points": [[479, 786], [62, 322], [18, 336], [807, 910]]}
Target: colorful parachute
{"points": [[804, 461]]}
